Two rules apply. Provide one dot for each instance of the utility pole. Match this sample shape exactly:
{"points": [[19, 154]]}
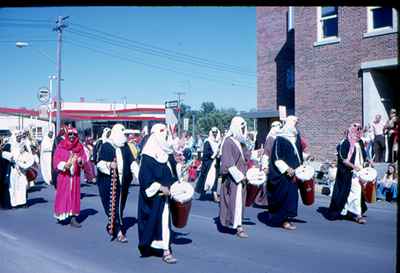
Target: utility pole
{"points": [[179, 94], [59, 28]]}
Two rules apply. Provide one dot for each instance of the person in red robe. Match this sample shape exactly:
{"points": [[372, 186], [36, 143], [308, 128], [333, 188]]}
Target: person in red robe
{"points": [[69, 159]]}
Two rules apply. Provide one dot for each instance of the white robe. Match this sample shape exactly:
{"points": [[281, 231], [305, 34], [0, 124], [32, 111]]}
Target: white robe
{"points": [[18, 182], [353, 203], [45, 158]]}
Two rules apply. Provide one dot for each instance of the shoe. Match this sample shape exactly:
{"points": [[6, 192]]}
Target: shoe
{"points": [[74, 223], [288, 226], [169, 259]]}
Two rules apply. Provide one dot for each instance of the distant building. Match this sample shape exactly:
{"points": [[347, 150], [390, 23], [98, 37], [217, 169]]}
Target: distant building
{"points": [[89, 117], [330, 66]]}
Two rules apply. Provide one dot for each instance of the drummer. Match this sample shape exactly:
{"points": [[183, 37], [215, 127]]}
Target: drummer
{"points": [[233, 168], [347, 198], [155, 178], [286, 156]]}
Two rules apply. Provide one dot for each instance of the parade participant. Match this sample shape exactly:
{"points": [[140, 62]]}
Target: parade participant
{"points": [[286, 156], [347, 198], [20, 160], [210, 155], [97, 146], [115, 168], [233, 169], [88, 167], [69, 159], [60, 137], [155, 178], [45, 156], [262, 199], [133, 146]]}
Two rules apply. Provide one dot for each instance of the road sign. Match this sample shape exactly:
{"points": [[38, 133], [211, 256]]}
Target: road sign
{"points": [[171, 104], [43, 112], [186, 124], [44, 95], [282, 112]]}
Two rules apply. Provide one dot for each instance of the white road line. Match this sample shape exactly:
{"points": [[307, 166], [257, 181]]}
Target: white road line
{"points": [[8, 236]]}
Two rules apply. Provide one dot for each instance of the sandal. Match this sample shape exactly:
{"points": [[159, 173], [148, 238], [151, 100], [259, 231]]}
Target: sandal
{"points": [[121, 238], [169, 259], [360, 220], [288, 226], [242, 234]]}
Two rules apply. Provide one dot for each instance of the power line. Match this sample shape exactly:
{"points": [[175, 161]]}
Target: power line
{"points": [[165, 52], [24, 20], [156, 66], [118, 44], [27, 40]]}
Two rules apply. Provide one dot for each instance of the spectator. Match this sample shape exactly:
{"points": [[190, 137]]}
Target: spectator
{"points": [[368, 139], [387, 187], [392, 129], [379, 140]]}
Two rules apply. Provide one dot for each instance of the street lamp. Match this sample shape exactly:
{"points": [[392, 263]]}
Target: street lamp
{"points": [[20, 44]]}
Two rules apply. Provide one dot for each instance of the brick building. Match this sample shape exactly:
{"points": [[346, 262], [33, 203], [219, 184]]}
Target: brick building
{"points": [[330, 66]]}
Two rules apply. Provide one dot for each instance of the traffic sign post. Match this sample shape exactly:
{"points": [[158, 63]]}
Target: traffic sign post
{"points": [[173, 104], [43, 95]]}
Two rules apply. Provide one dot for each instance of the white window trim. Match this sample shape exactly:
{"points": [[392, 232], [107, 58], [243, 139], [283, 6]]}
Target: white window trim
{"points": [[371, 32], [320, 39]]}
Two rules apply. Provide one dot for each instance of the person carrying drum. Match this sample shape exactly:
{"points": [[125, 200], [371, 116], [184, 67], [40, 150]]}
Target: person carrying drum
{"points": [[155, 179], [286, 156], [347, 198], [234, 159]]}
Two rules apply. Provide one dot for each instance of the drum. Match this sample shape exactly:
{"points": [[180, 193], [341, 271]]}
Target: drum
{"points": [[368, 177], [31, 174], [305, 177], [181, 203], [256, 178]]}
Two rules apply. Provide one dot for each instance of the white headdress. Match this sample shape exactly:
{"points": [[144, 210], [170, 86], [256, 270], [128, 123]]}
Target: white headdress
{"points": [[238, 129], [158, 146]]}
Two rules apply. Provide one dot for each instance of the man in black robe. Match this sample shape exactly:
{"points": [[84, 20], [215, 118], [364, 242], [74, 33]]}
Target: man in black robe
{"points": [[5, 166], [155, 178], [282, 189], [211, 151], [97, 147], [115, 160], [347, 197]]}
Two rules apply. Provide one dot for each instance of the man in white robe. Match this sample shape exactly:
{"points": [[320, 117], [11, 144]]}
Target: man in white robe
{"points": [[46, 148]]}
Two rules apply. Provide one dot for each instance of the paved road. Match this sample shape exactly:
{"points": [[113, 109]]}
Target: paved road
{"points": [[31, 241]]}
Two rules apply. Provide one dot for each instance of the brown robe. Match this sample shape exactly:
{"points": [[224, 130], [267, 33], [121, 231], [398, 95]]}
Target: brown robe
{"points": [[261, 198], [231, 156]]}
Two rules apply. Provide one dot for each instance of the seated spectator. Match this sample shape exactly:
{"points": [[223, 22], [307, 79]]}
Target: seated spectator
{"points": [[387, 186]]}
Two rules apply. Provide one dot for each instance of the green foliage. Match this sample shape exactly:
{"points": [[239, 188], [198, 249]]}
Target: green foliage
{"points": [[209, 116]]}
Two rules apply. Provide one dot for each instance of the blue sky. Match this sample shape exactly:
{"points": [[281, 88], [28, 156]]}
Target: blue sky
{"points": [[143, 53]]}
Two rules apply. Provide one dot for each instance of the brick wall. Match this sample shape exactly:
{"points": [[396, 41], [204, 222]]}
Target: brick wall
{"points": [[271, 37], [328, 80]]}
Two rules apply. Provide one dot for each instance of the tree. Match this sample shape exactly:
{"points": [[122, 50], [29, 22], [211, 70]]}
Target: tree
{"points": [[208, 107]]}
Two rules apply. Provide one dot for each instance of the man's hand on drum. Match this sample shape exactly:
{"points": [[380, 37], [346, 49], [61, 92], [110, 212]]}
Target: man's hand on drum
{"points": [[290, 172], [164, 190]]}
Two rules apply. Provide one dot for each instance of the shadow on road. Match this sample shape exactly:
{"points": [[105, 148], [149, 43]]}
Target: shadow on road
{"points": [[129, 222], [84, 194], [223, 229], [178, 240], [34, 201], [36, 188], [85, 214], [324, 211]]}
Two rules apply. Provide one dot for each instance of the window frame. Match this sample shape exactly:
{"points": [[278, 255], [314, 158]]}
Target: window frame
{"points": [[320, 39], [371, 31]]}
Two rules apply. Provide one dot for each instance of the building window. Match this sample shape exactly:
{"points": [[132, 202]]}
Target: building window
{"points": [[381, 20], [290, 77], [328, 25]]}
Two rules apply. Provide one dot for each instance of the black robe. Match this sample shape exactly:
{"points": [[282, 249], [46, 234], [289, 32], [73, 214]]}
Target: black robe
{"points": [[205, 167], [150, 209], [96, 151], [108, 153], [341, 189], [282, 192], [5, 168]]}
